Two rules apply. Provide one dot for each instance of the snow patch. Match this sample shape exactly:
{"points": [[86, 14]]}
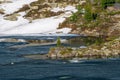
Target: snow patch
{"points": [[15, 5], [6, 25], [37, 26], [67, 8], [70, 8], [63, 30], [21, 40]]}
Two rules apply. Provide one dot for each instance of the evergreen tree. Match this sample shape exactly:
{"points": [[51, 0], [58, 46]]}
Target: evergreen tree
{"points": [[73, 17], [88, 12], [104, 4], [58, 42], [79, 9]]}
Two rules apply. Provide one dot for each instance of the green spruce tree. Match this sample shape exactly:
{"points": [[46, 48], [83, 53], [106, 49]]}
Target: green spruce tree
{"points": [[73, 17], [88, 12], [58, 42], [104, 4]]}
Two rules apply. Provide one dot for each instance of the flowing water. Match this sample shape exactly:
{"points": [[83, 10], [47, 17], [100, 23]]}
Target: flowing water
{"points": [[13, 66]]}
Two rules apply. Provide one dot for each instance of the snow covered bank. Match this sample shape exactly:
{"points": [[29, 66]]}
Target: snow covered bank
{"points": [[22, 25], [37, 26]]}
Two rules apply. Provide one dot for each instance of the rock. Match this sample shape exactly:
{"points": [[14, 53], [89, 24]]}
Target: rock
{"points": [[36, 56], [12, 17], [16, 14], [60, 52], [75, 32], [114, 30], [53, 5], [34, 7], [5, 1], [2, 11], [29, 19]]}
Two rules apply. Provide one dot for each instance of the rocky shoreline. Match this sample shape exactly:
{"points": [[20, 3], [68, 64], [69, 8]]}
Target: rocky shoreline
{"points": [[106, 50]]}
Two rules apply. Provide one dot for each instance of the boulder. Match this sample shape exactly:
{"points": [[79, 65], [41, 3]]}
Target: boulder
{"points": [[34, 7], [1, 11], [12, 17]]}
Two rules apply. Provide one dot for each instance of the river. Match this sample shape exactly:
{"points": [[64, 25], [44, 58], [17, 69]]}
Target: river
{"points": [[13, 66]]}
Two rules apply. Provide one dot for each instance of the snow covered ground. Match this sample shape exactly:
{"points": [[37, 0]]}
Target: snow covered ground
{"points": [[15, 5], [22, 26]]}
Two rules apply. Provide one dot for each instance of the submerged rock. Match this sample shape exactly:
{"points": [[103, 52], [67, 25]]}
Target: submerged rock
{"points": [[36, 56]]}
